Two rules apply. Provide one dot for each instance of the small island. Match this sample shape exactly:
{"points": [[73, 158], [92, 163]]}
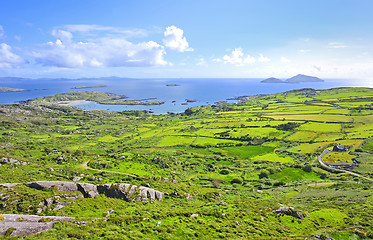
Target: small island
{"points": [[75, 98], [94, 86], [172, 85], [296, 79], [6, 89], [272, 80]]}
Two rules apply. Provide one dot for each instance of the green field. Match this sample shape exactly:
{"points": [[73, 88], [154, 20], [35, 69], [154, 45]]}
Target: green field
{"points": [[232, 164]]}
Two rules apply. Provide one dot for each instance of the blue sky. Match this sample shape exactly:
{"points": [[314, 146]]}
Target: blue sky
{"points": [[209, 38]]}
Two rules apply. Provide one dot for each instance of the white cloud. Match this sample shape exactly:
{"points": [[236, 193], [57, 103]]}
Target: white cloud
{"points": [[285, 60], [201, 62], [110, 51], [86, 29], [103, 46], [100, 53], [7, 57], [2, 33], [237, 57], [263, 59], [337, 45], [304, 50], [174, 40], [62, 35]]}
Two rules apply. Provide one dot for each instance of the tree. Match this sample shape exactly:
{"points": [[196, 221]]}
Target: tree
{"points": [[264, 174]]}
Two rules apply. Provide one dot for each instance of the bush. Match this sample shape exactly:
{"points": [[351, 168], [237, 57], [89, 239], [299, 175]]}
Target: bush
{"points": [[264, 174], [307, 168], [236, 180], [224, 172]]}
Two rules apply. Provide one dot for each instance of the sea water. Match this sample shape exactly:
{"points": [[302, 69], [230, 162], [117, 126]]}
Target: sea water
{"points": [[202, 91]]}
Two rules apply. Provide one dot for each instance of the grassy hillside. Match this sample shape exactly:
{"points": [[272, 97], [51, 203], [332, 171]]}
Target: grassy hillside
{"points": [[234, 164]]}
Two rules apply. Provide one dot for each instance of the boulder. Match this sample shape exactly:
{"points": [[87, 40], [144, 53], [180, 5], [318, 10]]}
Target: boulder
{"points": [[289, 211], [115, 190], [9, 185], [30, 224], [88, 190], [61, 186]]}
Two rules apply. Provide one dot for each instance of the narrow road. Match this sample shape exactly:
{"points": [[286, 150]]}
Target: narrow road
{"points": [[319, 158], [85, 166]]}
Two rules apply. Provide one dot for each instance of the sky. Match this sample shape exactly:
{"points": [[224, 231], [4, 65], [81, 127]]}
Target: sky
{"points": [[187, 38]]}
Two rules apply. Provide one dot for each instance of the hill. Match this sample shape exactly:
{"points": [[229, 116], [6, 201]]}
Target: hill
{"points": [[303, 78], [272, 80]]}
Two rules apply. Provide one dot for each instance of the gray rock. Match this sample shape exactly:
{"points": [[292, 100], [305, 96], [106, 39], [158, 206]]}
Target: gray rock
{"points": [[237, 223], [49, 201], [88, 190], [115, 190], [61, 205], [31, 224], [289, 211], [158, 223], [75, 179], [61, 186], [9, 185]]}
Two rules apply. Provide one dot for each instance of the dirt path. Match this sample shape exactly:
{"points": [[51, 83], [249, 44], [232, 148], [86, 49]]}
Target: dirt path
{"points": [[321, 184], [319, 158], [85, 166]]}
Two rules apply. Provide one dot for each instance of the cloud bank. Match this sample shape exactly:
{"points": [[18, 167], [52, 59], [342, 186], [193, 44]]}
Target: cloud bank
{"points": [[7, 58], [114, 50]]}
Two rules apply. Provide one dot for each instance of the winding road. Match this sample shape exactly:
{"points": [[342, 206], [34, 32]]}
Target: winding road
{"points": [[319, 158], [85, 166]]}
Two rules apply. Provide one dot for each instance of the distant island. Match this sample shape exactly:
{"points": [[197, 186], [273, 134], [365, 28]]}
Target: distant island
{"points": [[75, 98], [272, 80], [172, 85], [6, 89], [94, 86], [296, 79]]}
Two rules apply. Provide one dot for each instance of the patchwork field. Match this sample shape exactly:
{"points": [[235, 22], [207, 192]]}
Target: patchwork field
{"points": [[224, 169]]}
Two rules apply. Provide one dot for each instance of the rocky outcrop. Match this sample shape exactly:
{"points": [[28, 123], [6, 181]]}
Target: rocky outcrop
{"points": [[23, 225], [123, 191], [130, 192], [289, 211], [61, 186], [88, 190]]}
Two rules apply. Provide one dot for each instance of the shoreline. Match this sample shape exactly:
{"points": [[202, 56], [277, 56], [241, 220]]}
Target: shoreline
{"points": [[73, 103]]}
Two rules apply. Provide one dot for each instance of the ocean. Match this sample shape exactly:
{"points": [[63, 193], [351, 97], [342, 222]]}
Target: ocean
{"points": [[202, 91]]}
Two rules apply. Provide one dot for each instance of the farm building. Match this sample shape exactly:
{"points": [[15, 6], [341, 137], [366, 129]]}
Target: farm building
{"points": [[339, 148]]}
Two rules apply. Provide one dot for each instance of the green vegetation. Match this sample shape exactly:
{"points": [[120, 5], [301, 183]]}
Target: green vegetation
{"points": [[233, 165]]}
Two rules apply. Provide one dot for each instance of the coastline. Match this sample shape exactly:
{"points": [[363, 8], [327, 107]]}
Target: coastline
{"points": [[74, 102]]}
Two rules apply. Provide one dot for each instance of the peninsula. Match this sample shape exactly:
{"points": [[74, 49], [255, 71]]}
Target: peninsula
{"points": [[6, 89], [74, 98]]}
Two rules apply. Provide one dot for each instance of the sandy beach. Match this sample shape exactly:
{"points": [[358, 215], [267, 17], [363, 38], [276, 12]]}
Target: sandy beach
{"points": [[72, 103]]}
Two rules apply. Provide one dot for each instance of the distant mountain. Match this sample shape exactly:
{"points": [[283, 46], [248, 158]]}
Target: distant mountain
{"points": [[303, 78], [272, 80]]}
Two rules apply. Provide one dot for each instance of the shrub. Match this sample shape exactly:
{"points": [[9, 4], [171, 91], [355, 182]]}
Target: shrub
{"points": [[307, 168], [224, 172], [236, 180], [264, 174]]}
